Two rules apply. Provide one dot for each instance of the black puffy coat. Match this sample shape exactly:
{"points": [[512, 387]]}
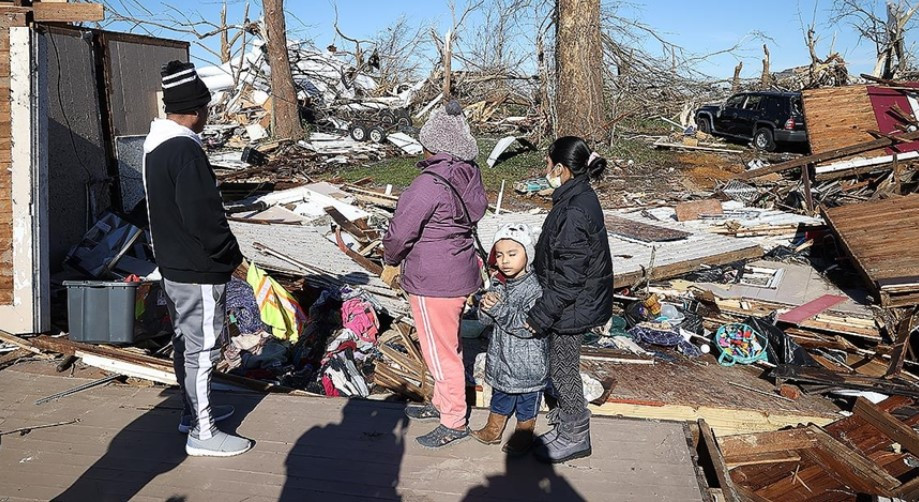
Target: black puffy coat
{"points": [[573, 263]]}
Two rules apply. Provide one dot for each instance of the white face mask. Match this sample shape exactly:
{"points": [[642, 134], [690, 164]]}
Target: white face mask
{"points": [[554, 181]]}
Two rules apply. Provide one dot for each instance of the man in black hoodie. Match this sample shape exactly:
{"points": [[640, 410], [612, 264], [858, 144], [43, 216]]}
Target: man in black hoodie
{"points": [[195, 251]]}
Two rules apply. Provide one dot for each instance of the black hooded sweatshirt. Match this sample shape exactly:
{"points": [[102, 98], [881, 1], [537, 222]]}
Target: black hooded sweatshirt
{"points": [[192, 241]]}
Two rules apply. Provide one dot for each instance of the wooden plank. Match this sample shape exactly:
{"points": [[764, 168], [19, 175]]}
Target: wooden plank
{"points": [[777, 457], [724, 420], [693, 210], [721, 469], [347, 225], [741, 446], [642, 231], [858, 471], [44, 12], [900, 348], [824, 157], [908, 490], [888, 424], [848, 381]]}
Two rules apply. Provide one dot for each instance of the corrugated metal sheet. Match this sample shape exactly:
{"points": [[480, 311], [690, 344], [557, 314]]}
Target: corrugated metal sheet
{"points": [[631, 258]]}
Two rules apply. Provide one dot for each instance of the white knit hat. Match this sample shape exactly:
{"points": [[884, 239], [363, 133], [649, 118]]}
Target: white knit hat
{"points": [[522, 234]]}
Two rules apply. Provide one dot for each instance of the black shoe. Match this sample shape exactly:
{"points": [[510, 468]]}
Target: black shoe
{"points": [[424, 413], [442, 436]]}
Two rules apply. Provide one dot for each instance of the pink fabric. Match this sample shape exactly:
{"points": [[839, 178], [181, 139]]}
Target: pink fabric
{"points": [[359, 316], [438, 324]]}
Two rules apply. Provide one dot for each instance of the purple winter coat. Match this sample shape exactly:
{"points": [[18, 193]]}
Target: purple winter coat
{"points": [[429, 233]]}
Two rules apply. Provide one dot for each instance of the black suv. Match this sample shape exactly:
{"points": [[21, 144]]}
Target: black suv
{"points": [[766, 118]]}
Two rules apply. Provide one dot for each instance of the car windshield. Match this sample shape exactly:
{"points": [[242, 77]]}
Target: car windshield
{"points": [[735, 101]]}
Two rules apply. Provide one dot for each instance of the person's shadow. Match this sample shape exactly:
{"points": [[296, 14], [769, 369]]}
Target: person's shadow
{"points": [[525, 479], [369, 443], [147, 447]]}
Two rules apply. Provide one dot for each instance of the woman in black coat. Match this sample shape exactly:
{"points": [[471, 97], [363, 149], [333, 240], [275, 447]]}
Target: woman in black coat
{"points": [[575, 270]]}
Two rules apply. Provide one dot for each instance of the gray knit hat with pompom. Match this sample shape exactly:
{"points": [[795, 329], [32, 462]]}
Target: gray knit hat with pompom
{"points": [[447, 131]]}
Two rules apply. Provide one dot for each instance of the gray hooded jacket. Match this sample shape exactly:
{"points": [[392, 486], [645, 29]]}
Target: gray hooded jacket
{"points": [[517, 362]]}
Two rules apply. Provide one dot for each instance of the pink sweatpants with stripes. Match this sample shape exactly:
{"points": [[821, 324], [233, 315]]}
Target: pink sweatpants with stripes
{"points": [[438, 324]]}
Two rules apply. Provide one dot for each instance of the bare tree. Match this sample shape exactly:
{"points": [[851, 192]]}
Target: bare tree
{"points": [[579, 66], [886, 30], [285, 112]]}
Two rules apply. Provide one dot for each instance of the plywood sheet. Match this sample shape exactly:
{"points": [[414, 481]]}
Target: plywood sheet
{"points": [[837, 117]]}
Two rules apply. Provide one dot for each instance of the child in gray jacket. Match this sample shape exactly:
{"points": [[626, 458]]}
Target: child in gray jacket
{"points": [[516, 365]]}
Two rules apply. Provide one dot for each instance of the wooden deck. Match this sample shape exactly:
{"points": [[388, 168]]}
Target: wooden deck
{"points": [[126, 447], [880, 237]]}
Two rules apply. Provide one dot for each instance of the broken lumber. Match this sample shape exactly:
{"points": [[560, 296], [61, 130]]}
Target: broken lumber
{"points": [[858, 471], [717, 459], [827, 156], [888, 424], [836, 380], [739, 449]]}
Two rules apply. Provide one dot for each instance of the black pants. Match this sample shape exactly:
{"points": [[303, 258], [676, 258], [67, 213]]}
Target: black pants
{"points": [[565, 372]]}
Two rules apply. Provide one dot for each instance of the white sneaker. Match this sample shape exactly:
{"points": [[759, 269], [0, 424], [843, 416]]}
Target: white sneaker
{"points": [[220, 444]]}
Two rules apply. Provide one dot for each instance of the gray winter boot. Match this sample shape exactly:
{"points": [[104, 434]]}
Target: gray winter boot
{"points": [[553, 420], [572, 441]]}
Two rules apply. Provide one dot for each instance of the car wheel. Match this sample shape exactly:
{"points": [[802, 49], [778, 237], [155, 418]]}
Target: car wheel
{"points": [[704, 125], [377, 134], [763, 140], [358, 132]]}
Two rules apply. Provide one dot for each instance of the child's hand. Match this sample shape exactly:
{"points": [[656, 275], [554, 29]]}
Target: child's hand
{"points": [[490, 299]]}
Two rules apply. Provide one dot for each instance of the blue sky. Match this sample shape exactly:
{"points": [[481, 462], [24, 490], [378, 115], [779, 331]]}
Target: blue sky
{"points": [[699, 26]]}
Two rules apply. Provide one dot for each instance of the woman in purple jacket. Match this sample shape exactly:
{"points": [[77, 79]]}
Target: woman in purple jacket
{"points": [[430, 235]]}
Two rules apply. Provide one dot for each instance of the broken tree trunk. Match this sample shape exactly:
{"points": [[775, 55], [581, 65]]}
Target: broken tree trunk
{"points": [[766, 77], [448, 63], [735, 82], [579, 64], [285, 115]]}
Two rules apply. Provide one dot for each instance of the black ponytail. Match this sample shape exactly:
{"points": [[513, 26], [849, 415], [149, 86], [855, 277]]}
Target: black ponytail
{"points": [[573, 152]]}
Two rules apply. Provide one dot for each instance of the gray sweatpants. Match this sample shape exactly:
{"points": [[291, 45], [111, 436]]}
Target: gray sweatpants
{"points": [[198, 313]]}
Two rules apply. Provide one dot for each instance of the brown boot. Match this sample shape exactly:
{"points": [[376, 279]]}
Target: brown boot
{"points": [[522, 440], [494, 428]]}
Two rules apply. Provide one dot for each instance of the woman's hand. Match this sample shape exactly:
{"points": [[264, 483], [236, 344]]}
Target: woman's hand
{"points": [[529, 328], [490, 299]]}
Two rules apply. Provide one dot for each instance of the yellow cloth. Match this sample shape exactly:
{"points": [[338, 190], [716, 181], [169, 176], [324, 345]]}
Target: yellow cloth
{"points": [[277, 307]]}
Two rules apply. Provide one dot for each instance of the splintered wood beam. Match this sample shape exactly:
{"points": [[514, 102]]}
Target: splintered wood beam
{"points": [[738, 448], [888, 424], [879, 134], [721, 469], [850, 465], [900, 347], [827, 156]]}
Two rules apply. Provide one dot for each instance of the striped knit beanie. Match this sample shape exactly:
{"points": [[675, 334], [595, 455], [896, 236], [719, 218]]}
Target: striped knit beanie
{"points": [[183, 90]]}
